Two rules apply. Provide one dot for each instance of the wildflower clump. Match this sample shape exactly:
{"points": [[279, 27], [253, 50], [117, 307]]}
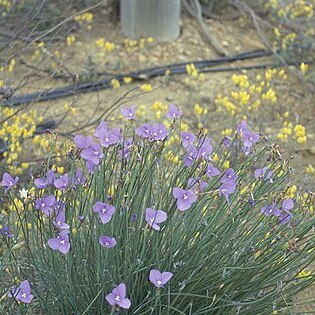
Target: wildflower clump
{"points": [[250, 95], [85, 20], [104, 47], [132, 45], [15, 129], [300, 15], [5, 7], [193, 75], [300, 133], [124, 228]]}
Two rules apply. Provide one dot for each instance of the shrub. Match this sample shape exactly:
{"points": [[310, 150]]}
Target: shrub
{"points": [[129, 229]]}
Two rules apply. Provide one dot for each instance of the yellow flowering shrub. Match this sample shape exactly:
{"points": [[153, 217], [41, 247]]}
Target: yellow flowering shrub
{"points": [[5, 7], [85, 20], [299, 14], [14, 130], [249, 95], [132, 45]]}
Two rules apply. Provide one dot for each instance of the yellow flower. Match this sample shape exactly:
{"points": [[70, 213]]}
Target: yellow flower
{"points": [[115, 83], [300, 133], [191, 70], [146, 88], [310, 169], [215, 157], [60, 169], [226, 132], [184, 126], [291, 191], [100, 42], [270, 95], [277, 32], [200, 125], [226, 164], [70, 40], [109, 46], [11, 65], [127, 80], [199, 111], [24, 165], [303, 68], [240, 80]]}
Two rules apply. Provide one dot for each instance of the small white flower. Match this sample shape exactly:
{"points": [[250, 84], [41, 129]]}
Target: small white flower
{"points": [[23, 193]]}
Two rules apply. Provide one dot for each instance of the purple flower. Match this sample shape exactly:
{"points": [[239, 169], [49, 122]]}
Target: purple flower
{"points": [[45, 204], [59, 206], [242, 127], [188, 138], [104, 210], [227, 141], [229, 176], [79, 178], [22, 293], [110, 137], [143, 131], [205, 148], [134, 217], [212, 171], [8, 181], [287, 204], [285, 217], [45, 181], [5, 231], [250, 138], [227, 189], [118, 297], [92, 154], [271, 210], [191, 155], [262, 173], [197, 185], [125, 152], [154, 217], [158, 132], [83, 142], [90, 167], [62, 182], [61, 242], [60, 220], [173, 112], [40, 183], [158, 278], [106, 135], [129, 113], [185, 198], [101, 127], [107, 241]]}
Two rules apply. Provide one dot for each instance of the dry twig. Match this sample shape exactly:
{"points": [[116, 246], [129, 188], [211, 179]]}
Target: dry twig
{"points": [[194, 9]]}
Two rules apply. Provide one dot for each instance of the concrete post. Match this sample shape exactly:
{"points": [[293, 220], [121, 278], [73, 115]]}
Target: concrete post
{"points": [[150, 18]]}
